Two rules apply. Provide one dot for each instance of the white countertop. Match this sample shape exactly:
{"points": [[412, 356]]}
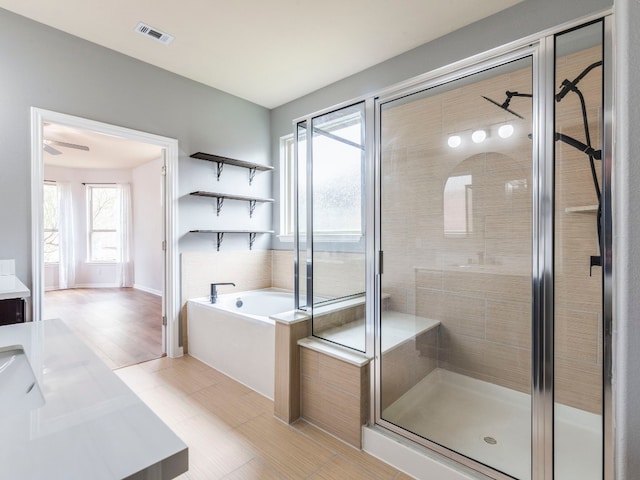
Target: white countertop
{"points": [[12, 287], [91, 424]]}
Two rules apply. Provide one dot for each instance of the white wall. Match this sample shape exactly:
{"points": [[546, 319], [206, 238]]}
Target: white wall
{"points": [[146, 194], [87, 274]]}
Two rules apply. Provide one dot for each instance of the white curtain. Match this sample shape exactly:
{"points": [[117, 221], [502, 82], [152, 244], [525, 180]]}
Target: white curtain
{"points": [[66, 232], [126, 236]]}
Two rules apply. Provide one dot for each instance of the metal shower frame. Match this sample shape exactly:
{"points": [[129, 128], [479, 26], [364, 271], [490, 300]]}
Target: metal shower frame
{"points": [[541, 48]]}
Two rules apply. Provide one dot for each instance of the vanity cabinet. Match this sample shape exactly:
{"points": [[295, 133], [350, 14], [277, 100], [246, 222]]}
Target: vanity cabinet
{"points": [[11, 311]]}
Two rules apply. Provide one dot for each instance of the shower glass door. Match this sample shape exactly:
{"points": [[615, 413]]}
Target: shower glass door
{"points": [[579, 241], [456, 217]]}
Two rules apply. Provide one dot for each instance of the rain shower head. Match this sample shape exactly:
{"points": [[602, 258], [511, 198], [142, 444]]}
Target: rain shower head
{"points": [[505, 105]]}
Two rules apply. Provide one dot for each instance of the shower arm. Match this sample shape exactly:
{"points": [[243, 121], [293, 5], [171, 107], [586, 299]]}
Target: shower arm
{"points": [[510, 95]]}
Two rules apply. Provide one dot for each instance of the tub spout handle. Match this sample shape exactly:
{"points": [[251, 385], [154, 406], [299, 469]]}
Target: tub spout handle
{"points": [[214, 290]]}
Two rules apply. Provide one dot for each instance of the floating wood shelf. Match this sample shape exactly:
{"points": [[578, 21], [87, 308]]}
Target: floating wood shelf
{"points": [[220, 235], [220, 197], [221, 161]]}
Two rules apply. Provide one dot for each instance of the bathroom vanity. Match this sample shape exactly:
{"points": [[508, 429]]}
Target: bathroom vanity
{"points": [[65, 414], [12, 294]]}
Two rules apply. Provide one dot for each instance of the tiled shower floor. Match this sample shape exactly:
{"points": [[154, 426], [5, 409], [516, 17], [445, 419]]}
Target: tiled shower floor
{"points": [[459, 412]]}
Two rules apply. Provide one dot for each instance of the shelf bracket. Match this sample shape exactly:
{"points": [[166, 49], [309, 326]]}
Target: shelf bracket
{"points": [[252, 239], [219, 203], [252, 174], [252, 207], [219, 170], [219, 240]]}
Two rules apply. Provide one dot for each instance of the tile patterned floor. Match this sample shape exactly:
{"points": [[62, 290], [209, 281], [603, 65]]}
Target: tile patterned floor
{"points": [[232, 433]]}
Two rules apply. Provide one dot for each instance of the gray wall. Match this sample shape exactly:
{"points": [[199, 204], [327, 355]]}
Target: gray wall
{"points": [[46, 68], [526, 18]]}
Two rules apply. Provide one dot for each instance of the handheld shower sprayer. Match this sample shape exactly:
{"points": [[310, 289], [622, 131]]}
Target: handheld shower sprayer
{"points": [[585, 147], [572, 86]]}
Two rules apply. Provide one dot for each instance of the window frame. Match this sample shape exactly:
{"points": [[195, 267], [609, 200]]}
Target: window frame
{"points": [[287, 188], [90, 230], [287, 193]]}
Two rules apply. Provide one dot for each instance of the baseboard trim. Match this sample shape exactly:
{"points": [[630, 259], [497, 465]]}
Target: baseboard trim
{"points": [[142, 288]]}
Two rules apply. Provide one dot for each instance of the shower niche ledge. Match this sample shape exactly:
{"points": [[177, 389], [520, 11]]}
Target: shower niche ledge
{"points": [[582, 209]]}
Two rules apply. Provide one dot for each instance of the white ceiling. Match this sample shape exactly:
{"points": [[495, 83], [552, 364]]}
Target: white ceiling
{"points": [[105, 151], [267, 51]]}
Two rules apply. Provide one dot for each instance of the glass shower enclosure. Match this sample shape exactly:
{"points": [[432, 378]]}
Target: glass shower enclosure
{"points": [[490, 222], [457, 231]]}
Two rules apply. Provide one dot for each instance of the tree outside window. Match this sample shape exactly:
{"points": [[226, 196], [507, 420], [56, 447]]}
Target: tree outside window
{"points": [[104, 218]]}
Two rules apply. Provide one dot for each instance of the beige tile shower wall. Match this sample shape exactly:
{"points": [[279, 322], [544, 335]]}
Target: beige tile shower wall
{"points": [[249, 270], [485, 323], [479, 285], [336, 274], [472, 283]]}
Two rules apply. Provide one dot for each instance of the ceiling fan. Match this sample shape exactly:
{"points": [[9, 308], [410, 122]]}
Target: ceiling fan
{"points": [[47, 146]]}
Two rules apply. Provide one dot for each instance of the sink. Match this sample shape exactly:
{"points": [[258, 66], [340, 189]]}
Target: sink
{"points": [[19, 386]]}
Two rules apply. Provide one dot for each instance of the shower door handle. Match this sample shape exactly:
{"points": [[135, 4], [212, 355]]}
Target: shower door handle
{"points": [[380, 262]]}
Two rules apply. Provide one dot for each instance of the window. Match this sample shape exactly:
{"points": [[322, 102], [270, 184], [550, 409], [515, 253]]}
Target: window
{"points": [[51, 222], [104, 219], [286, 186], [338, 166]]}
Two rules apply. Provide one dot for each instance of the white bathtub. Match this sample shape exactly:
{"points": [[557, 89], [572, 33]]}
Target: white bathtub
{"points": [[238, 341]]}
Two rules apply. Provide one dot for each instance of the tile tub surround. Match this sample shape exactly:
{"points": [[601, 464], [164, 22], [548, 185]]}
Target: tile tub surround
{"points": [[91, 424], [334, 390], [334, 385], [249, 270], [290, 327]]}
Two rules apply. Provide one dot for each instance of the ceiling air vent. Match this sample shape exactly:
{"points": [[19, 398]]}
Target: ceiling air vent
{"points": [[154, 33]]}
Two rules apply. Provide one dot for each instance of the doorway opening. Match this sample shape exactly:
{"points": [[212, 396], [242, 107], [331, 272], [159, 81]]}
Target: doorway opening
{"points": [[108, 256]]}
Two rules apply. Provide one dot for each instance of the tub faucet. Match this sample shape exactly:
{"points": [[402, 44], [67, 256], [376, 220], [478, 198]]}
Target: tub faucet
{"points": [[214, 290]]}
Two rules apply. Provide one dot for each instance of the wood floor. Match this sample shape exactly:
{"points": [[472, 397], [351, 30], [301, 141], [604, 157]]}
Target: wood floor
{"points": [[232, 433], [123, 326]]}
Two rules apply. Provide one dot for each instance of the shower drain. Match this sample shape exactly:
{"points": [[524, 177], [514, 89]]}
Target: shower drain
{"points": [[490, 440]]}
